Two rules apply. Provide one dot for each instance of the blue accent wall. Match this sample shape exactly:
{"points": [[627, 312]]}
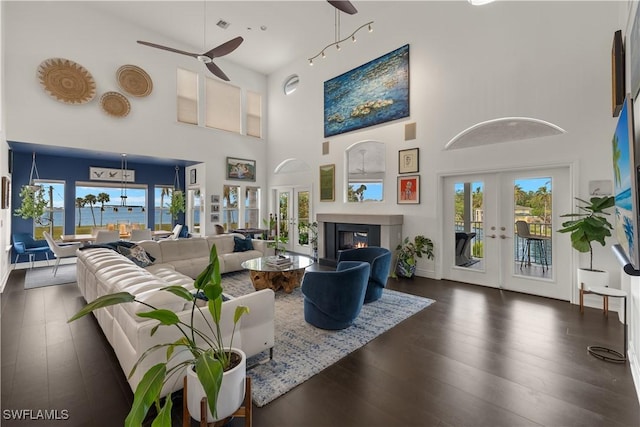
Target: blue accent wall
{"points": [[73, 169]]}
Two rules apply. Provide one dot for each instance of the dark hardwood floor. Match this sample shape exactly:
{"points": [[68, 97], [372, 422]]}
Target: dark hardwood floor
{"points": [[477, 357]]}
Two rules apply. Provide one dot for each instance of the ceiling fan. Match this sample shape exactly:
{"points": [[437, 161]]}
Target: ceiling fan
{"points": [[207, 57], [344, 6]]}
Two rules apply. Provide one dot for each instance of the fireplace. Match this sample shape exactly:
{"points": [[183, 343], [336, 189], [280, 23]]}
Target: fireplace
{"points": [[341, 232]]}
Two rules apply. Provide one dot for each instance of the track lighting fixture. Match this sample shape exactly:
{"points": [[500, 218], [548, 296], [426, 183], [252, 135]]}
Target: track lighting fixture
{"points": [[339, 40]]}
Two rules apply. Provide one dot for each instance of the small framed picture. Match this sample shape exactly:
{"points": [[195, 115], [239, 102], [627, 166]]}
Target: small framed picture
{"points": [[215, 208], [408, 161], [193, 177], [215, 218], [409, 189], [215, 198], [6, 197]]}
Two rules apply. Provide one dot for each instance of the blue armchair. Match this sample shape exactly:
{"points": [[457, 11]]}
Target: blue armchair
{"points": [[333, 299], [380, 261], [25, 244]]}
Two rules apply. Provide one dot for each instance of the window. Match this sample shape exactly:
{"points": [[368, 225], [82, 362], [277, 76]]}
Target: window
{"points": [[222, 106], [230, 207], [54, 212], [254, 114], [162, 197], [101, 207], [187, 87], [195, 210], [366, 166], [252, 207]]}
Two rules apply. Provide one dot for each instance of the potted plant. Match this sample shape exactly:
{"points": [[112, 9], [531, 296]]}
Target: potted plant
{"points": [[313, 239], [407, 253], [211, 366], [177, 204], [589, 225]]}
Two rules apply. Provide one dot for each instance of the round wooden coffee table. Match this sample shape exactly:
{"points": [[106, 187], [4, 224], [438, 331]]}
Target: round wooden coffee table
{"points": [[266, 275]]}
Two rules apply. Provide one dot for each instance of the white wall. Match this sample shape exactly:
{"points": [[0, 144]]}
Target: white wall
{"points": [[36, 31], [5, 214], [547, 60]]}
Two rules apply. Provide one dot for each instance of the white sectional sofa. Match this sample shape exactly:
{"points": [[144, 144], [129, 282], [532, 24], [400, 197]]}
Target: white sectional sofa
{"points": [[102, 271]]}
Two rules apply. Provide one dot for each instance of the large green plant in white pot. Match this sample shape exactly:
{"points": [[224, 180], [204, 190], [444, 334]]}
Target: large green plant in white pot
{"points": [[587, 226], [213, 369]]}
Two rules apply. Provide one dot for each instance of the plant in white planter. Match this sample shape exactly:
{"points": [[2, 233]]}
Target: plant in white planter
{"points": [[588, 226], [210, 360]]}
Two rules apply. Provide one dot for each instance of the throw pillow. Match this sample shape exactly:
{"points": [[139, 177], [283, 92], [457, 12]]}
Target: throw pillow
{"points": [[137, 255], [242, 245]]}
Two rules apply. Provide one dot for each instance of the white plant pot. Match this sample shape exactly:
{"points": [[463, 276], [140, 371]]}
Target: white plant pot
{"points": [[590, 278], [230, 397]]}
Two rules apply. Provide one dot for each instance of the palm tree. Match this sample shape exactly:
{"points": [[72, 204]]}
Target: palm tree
{"points": [[90, 199], [616, 160], [102, 199], [80, 204], [519, 195], [166, 191]]}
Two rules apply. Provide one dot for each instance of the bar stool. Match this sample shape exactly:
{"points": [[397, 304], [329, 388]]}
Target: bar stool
{"points": [[605, 353]]}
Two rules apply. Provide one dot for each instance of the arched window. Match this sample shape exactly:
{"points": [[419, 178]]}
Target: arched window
{"points": [[365, 171]]}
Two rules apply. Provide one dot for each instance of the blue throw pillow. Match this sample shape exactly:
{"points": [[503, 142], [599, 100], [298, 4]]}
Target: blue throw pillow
{"points": [[242, 245], [137, 255]]}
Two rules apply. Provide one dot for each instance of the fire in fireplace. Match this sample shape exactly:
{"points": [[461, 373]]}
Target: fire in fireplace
{"points": [[352, 239], [343, 236]]}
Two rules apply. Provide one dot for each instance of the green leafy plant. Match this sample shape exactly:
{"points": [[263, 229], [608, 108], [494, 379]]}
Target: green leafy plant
{"points": [[33, 204], [279, 243], [209, 359], [177, 204], [408, 251], [589, 225]]}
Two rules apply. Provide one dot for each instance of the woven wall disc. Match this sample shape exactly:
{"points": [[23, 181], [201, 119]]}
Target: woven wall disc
{"points": [[66, 81], [134, 80], [115, 104]]}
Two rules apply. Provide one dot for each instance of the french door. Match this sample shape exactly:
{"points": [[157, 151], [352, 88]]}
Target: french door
{"points": [[294, 213], [481, 244]]}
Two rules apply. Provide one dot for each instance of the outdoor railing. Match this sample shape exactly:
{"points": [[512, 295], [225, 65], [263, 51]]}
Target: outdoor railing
{"points": [[536, 229]]}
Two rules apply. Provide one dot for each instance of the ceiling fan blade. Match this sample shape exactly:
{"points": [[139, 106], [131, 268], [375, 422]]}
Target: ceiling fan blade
{"points": [[225, 48], [170, 49], [217, 71], [344, 6]]}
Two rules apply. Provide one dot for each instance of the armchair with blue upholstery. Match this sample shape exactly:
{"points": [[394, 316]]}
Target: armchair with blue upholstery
{"points": [[333, 299], [380, 261], [25, 244]]}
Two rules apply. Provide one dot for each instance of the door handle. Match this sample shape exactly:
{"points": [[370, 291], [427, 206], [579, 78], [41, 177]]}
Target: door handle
{"points": [[502, 236], [493, 236]]}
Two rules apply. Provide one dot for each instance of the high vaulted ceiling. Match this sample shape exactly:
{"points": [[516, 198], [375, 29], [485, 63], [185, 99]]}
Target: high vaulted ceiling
{"points": [[293, 29]]}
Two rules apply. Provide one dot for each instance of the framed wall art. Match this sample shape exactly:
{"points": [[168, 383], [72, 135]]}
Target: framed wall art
{"points": [[193, 177], [327, 183], [409, 189], [241, 169], [6, 190], [111, 174], [371, 94], [215, 217], [215, 198], [408, 161]]}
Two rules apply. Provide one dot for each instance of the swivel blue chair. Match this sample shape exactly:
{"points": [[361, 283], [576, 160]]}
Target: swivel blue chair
{"points": [[333, 299], [380, 261], [25, 244]]}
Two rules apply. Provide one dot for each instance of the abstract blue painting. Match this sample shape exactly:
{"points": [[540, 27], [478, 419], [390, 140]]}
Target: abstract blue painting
{"points": [[373, 93]]}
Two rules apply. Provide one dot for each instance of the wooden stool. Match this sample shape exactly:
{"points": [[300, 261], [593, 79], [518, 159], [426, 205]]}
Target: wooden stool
{"points": [[605, 353], [242, 412]]}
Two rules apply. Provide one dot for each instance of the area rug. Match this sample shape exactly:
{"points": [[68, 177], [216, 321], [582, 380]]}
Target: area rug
{"points": [[43, 276], [302, 350]]}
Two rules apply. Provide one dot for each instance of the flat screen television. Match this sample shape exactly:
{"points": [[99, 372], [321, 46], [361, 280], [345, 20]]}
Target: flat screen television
{"points": [[625, 184]]}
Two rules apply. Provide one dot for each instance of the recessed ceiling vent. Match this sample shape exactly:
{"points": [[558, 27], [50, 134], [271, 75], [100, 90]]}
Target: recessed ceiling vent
{"points": [[223, 24]]}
